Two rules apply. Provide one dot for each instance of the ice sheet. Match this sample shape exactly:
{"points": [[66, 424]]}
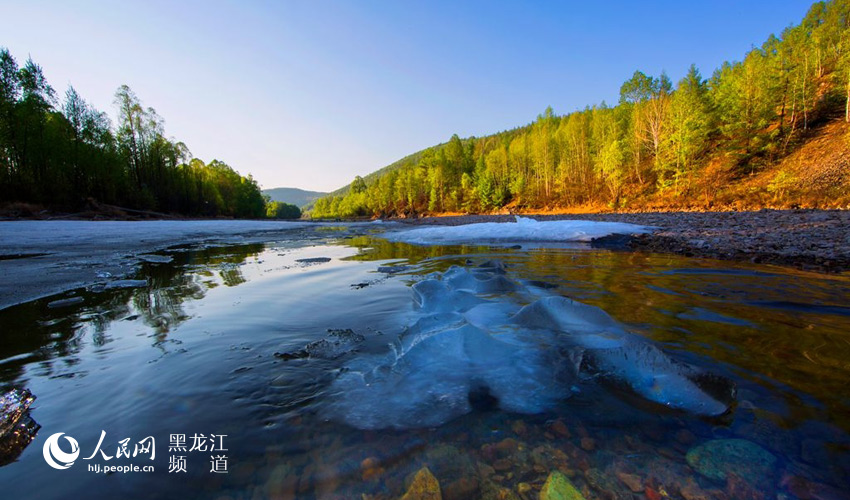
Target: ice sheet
{"points": [[66, 254], [469, 337], [524, 229]]}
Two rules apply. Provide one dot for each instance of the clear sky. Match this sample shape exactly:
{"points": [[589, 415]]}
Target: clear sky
{"points": [[310, 93]]}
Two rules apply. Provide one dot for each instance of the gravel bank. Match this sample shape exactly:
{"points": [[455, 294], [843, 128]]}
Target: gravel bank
{"points": [[814, 240]]}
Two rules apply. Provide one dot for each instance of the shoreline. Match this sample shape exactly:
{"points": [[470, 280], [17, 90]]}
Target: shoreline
{"points": [[806, 239]]}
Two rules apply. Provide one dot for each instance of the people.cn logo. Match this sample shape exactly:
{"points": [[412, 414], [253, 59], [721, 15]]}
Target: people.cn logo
{"points": [[55, 457]]}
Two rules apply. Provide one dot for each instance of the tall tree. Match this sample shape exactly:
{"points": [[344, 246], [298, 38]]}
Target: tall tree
{"points": [[690, 125]]}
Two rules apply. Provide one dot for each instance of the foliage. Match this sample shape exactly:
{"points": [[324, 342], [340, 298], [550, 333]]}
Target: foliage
{"points": [[655, 139], [281, 210], [62, 154]]}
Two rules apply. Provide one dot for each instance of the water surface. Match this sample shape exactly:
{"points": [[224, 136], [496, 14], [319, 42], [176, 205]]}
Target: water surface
{"points": [[194, 352]]}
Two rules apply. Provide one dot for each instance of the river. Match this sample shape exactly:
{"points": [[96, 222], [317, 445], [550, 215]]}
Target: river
{"points": [[235, 359]]}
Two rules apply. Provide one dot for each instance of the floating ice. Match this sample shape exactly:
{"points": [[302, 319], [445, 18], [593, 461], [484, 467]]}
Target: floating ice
{"points": [[114, 285], [615, 353], [156, 259], [524, 229], [313, 260], [65, 302], [472, 336]]}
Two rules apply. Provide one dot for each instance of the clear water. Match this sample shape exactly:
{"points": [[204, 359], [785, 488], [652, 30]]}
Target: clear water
{"points": [[194, 353]]}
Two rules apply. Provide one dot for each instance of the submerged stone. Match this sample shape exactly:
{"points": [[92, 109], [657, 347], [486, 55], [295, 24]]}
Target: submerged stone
{"points": [[716, 459], [558, 487], [337, 343], [492, 491], [424, 487]]}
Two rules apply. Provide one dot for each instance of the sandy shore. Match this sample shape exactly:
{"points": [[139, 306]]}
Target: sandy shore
{"points": [[814, 240]]}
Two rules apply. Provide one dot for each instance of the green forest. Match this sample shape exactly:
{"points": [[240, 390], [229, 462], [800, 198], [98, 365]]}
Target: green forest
{"points": [[672, 144], [62, 152]]}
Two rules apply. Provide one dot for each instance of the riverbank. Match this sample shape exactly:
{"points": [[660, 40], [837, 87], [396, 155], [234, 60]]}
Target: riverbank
{"points": [[812, 240]]}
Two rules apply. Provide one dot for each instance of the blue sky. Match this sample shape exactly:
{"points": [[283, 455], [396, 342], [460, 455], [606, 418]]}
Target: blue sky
{"points": [[311, 93]]}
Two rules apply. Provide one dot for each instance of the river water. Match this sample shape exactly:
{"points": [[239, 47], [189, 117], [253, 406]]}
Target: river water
{"points": [[238, 352]]}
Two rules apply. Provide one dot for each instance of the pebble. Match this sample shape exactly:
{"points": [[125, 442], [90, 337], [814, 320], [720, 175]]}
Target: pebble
{"points": [[717, 458], [633, 481], [519, 428], [685, 437], [502, 465], [461, 489], [588, 444], [560, 428], [371, 469], [424, 487], [558, 487]]}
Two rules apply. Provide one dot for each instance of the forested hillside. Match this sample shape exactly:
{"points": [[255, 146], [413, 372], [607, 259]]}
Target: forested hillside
{"points": [[731, 140], [61, 152]]}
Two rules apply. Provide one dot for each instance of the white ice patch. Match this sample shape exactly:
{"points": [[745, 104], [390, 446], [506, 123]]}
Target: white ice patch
{"points": [[471, 335], [524, 229]]}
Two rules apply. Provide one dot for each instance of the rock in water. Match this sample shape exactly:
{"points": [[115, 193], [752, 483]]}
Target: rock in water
{"points": [[558, 487], [17, 428], [716, 459], [424, 487], [337, 343], [13, 405]]}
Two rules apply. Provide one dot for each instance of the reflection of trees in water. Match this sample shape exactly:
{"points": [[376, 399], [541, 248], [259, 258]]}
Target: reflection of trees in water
{"points": [[34, 333], [371, 249], [160, 304], [231, 276], [802, 347], [661, 296]]}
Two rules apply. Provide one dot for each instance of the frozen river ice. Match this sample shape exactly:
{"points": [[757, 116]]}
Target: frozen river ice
{"points": [[41, 258]]}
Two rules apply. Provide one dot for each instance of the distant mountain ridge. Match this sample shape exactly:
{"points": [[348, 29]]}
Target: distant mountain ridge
{"points": [[293, 196]]}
